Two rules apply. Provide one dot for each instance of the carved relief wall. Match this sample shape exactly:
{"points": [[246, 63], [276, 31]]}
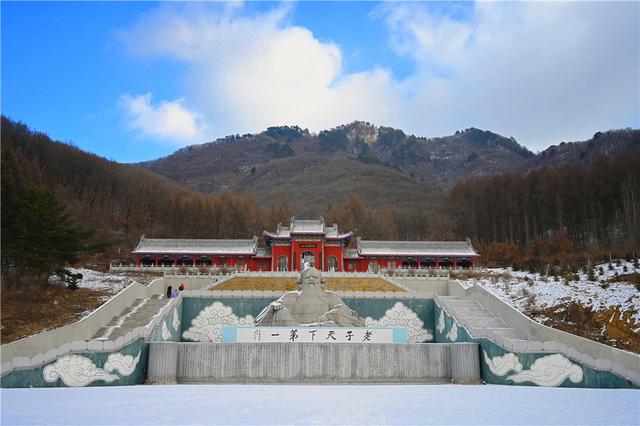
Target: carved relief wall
{"points": [[499, 366], [203, 319]]}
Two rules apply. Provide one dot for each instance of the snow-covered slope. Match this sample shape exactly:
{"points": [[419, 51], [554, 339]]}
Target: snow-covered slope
{"points": [[536, 295]]}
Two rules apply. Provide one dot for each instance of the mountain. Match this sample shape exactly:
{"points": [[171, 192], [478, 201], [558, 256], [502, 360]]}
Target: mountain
{"points": [[376, 181], [383, 165], [603, 144]]}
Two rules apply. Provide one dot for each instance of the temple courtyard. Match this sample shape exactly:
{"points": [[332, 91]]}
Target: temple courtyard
{"points": [[320, 404]]}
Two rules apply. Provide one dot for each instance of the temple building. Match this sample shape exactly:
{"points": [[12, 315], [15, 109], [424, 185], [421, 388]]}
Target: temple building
{"points": [[306, 241]]}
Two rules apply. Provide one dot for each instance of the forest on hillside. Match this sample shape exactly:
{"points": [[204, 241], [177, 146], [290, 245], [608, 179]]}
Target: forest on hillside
{"points": [[117, 202], [575, 208], [554, 211]]}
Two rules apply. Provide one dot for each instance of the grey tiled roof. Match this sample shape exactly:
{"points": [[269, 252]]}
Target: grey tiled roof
{"points": [[307, 226], [184, 246], [416, 248]]}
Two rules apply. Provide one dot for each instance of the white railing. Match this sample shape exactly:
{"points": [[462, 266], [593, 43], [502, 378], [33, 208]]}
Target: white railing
{"points": [[216, 270]]}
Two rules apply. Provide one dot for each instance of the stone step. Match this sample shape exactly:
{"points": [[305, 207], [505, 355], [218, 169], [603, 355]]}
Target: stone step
{"points": [[486, 322], [139, 314], [480, 321]]}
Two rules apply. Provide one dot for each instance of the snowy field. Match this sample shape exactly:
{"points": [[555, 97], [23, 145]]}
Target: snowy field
{"points": [[319, 404], [524, 290]]}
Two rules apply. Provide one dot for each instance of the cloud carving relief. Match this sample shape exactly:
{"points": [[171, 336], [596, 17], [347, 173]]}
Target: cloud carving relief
{"points": [[551, 370], [452, 335], [166, 334], [401, 316], [176, 320], [76, 370], [207, 326], [501, 365], [123, 364], [440, 326]]}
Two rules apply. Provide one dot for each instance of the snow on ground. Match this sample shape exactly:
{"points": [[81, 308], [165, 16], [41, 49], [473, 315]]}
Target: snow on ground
{"points": [[109, 283], [525, 290], [319, 404], [95, 280]]}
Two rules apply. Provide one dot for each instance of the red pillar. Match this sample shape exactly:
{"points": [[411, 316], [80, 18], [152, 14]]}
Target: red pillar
{"points": [[157, 260], [418, 262], [473, 263], [455, 262], [194, 260], [137, 260], [437, 262], [174, 261]]}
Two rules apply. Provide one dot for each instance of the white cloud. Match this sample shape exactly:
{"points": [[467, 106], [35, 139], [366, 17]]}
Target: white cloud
{"points": [[168, 120], [541, 72]]}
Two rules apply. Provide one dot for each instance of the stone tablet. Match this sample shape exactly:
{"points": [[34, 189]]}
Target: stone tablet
{"points": [[313, 335]]}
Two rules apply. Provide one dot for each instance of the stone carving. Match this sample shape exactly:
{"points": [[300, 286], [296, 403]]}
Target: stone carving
{"points": [[76, 370], [123, 364], [310, 305], [176, 320], [440, 326], [401, 316], [550, 370], [452, 335], [166, 334], [207, 326], [501, 365]]}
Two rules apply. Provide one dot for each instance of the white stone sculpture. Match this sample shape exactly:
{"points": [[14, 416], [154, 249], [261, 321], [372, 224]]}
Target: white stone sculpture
{"points": [[311, 304]]}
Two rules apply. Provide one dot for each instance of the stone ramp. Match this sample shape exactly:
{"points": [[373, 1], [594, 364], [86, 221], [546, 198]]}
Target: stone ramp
{"points": [[139, 314], [481, 322]]}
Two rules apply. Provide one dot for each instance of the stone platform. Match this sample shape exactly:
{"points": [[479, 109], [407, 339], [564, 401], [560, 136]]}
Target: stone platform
{"points": [[180, 362]]}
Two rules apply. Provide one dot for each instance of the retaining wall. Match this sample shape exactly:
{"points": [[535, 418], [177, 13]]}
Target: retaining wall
{"points": [[84, 329], [171, 362], [541, 338]]}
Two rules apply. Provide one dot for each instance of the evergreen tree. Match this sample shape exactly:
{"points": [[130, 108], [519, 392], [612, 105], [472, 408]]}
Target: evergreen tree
{"points": [[38, 235]]}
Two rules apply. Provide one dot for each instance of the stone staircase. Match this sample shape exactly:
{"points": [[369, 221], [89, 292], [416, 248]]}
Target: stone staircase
{"points": [[139, 314], [481, 322]]}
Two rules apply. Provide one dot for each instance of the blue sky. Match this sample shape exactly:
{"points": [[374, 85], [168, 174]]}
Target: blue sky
{"points": [[136, 81]]}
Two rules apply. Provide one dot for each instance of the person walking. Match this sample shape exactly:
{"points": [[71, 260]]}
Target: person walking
{"points": [[169, 291]]}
